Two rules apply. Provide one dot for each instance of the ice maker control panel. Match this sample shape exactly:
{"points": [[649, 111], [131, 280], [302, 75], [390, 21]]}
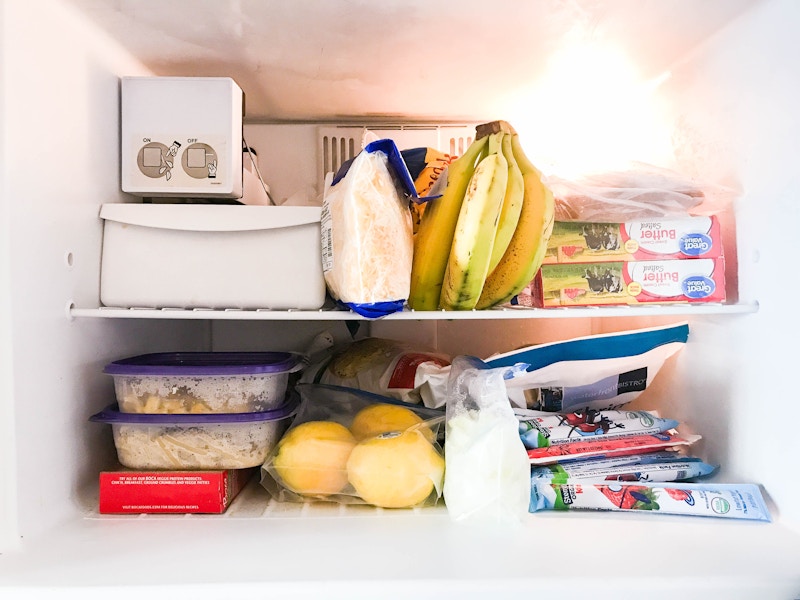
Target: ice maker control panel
{"points": [[182, 136], [183, 161]]}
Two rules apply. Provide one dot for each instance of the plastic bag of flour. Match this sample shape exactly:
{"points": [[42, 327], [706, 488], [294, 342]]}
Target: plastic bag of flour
{"points": [[487, 469], [367, 233], [600, 372]]}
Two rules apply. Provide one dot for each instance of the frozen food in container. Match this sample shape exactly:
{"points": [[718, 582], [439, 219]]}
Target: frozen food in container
{"points": [[203, 382], [198, 441]]}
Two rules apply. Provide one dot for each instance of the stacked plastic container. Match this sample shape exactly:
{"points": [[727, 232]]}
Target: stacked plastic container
{"points": [[196, 411]]}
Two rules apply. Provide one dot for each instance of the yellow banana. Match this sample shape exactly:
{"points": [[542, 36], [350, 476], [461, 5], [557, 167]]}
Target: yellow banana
{"points": [[435, 234], [468, 263], [525, 251], [512, 205]]}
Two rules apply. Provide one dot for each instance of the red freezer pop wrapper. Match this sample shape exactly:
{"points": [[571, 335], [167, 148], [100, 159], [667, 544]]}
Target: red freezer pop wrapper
{"points": [[639, 444]]}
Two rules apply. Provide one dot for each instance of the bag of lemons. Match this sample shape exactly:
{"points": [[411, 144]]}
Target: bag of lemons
{"points": [[355, 447]]}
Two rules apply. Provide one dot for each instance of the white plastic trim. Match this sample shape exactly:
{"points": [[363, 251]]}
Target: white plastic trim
{"points": [[210, 217]]}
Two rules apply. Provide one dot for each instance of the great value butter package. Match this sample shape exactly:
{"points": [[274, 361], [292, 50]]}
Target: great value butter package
{"points": [[653, 239], [607, 283]]}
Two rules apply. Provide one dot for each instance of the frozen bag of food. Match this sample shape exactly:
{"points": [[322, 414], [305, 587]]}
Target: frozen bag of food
{"points": [[487, 474], [428, 168], [599, 372], [354, 447], [367, 233], [400, 370]]}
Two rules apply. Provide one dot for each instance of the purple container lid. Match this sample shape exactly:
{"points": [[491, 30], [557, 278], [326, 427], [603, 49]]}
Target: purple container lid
{"points": [[206, 363], [111, 415]]}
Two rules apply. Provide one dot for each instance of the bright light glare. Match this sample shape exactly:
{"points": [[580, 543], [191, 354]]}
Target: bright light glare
{"points": [[591, 112]]}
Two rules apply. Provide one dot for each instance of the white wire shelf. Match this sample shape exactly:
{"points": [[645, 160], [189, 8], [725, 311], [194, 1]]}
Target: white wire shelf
{"points": [[696, 309]]}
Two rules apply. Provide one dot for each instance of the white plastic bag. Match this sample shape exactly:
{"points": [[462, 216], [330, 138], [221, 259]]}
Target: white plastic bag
{"points": [[487, 471]]}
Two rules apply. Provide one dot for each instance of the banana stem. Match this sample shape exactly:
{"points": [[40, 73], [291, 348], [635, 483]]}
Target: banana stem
{"points": [[491, 127]]}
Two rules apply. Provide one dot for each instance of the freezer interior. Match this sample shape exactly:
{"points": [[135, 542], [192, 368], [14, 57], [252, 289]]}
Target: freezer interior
{"points": [[708, 89]]}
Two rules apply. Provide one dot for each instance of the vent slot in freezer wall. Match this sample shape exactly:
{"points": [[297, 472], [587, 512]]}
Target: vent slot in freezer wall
{"points": [[338, 144]]}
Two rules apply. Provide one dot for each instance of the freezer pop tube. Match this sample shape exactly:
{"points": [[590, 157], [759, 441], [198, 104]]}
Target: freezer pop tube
{"points": [[732, 501], [541, 431], [625, 446], [657, 466], [628, 459]]}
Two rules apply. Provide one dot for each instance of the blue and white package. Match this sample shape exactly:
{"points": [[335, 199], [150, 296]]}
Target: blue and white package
{"points": [[599, 372], [367, 232], [726, 500], [656, 466], [540, 429], [396, 162]]}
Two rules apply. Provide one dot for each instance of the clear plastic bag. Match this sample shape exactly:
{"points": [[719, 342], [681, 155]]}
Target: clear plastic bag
{"points": [[641, 192], [488, 470], [400, 370], [354, 447]]}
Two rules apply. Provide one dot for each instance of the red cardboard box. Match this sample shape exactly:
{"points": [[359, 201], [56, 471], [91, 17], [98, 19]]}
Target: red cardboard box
{"points": [[170, 491]]}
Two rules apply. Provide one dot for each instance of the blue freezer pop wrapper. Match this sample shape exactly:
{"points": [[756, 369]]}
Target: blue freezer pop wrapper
{"points": [[541, 430], [732, 501]]}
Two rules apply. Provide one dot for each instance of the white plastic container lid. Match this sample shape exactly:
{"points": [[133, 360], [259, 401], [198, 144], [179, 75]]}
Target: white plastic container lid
{"points": [[210, 217]]}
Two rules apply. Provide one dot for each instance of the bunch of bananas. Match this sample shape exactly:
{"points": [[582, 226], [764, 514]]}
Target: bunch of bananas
{"points": [[484, 239]]}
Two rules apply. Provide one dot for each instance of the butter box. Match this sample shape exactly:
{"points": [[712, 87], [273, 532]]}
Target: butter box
{"points": [[636, 282], [651, 239]]}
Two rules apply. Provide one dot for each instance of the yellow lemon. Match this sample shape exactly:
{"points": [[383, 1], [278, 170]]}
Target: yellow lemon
{"points": [[312, 457], [380, 418], [397, 469]]}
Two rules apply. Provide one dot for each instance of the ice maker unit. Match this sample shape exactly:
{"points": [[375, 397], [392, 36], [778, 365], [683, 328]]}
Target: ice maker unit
{"points": [[182, 137]]}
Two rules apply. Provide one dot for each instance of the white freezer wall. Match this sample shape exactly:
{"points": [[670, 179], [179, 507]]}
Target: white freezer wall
{"points": [[60, 161], [739, 92]]}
